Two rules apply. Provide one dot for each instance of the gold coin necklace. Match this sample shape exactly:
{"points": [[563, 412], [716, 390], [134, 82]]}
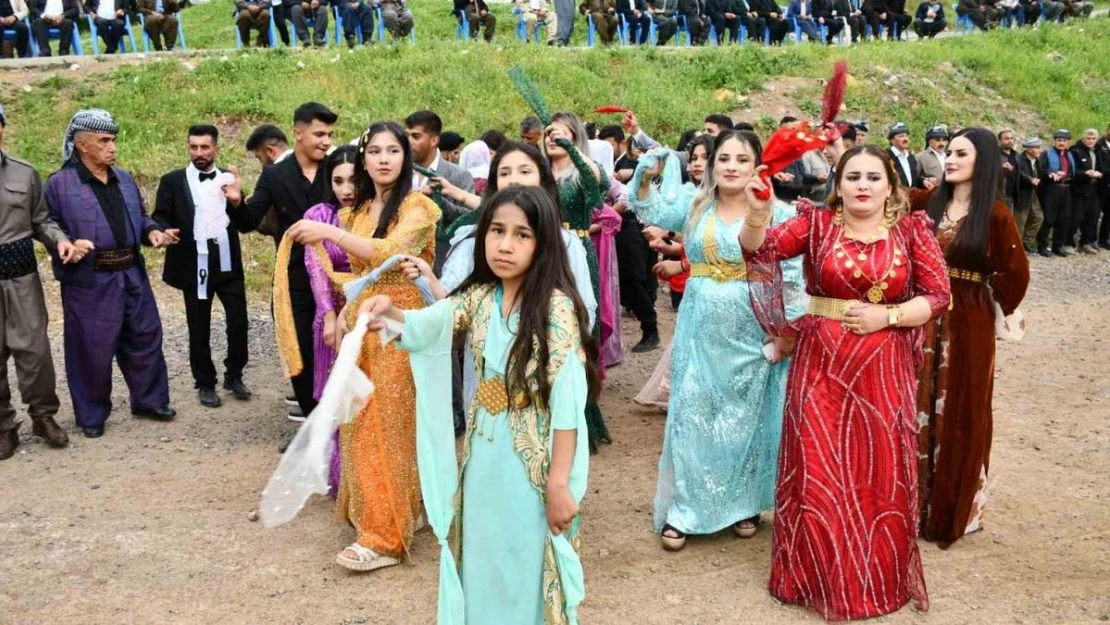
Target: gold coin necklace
{"points": [[876, 292]]}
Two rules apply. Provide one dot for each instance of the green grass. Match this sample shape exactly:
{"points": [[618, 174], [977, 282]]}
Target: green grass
{"points": [[1033, 80]]}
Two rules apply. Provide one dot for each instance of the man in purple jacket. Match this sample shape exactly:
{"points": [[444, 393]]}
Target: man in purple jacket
{"points": [[107, 302]]}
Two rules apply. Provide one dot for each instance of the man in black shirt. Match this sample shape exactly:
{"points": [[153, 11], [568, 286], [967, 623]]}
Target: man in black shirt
{"points": [[291, 187], [12, 14]]}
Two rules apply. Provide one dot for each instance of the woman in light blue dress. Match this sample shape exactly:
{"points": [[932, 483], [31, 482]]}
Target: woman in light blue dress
{"points": [[728, 379], [526, 451]]}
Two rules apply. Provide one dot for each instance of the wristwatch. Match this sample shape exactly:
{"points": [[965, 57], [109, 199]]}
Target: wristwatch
{"points": [[893, 315]]}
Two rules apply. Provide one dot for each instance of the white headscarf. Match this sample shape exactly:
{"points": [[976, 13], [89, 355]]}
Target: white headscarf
{"points": [[475, 158]]}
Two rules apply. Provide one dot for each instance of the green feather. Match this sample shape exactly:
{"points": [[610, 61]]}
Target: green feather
{"points": [[530, 92]]}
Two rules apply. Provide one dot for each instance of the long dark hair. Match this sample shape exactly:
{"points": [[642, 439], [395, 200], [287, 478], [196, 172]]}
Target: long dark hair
{"points": [[968, 249], [549, 271], [364, 185], [707, 142], [547, 179], [341, 156]]}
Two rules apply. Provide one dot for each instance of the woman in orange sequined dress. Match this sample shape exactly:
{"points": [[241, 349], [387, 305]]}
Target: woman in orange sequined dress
{"points": [[379, 490], [845, 534]]}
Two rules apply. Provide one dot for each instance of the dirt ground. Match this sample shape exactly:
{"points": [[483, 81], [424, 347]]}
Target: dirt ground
{"points": [[149, 524]]}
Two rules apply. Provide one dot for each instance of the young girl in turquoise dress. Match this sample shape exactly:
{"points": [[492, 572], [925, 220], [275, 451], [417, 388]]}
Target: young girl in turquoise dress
{"points": [[525, 452]]}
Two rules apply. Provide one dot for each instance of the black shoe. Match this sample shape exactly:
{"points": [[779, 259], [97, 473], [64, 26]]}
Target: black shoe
{"points": [[296, 415], [649, 342], [238, 389], [291, 401], [1044, 252], [96, 432], [1060, 253], [8, 442], [165, 413], [208, 397], [1104, 245], [48, 430]]}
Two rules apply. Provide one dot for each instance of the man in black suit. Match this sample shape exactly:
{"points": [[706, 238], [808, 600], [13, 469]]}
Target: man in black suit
{"points": [[47, 14], [904, 162], [291, 187], [771, 14], [697, 19], [636, 16], [202, 202]]}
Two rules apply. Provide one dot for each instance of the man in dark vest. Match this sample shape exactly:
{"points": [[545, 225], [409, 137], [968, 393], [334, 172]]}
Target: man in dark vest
{"points": [[107, 301]]}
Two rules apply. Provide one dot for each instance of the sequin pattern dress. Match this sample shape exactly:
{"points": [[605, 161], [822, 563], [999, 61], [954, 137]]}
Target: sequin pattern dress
{"points": [[379, 493], [725, 413], [845, 533], [957, 382]]}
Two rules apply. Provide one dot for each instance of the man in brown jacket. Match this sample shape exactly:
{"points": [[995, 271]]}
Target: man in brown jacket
{"points": [[23, 217], [160, 22], [254, 13], [604, 14]]}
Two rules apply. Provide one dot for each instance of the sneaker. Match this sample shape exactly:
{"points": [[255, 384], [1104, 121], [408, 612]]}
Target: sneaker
{"points": [[1069, 250], [291, 401], [1088, 249], [296, 415], [1045, 252], [649, 342], [1030, 250], [1061, 253]]}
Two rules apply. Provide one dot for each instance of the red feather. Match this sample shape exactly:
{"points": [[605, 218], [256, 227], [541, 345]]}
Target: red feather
{"points": [[788, 144], [601, 110], [834, 92]]}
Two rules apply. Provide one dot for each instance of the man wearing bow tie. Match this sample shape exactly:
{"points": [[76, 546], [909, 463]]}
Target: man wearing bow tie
{"points": [[203, 203]]}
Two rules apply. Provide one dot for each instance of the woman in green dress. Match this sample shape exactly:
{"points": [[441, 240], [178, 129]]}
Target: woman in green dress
{"points": [[582, 185], [525, 455]]}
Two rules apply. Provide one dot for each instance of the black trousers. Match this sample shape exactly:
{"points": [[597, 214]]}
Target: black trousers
{"points": [[778, 28], [281, 15], [22, 37], [634, 262], [1084, 219], [637, 27], [304, 313], [1056, 204], [929, 29], [198, 315], [111, 31], [41, 28], [722, 24], [1104, 229]]}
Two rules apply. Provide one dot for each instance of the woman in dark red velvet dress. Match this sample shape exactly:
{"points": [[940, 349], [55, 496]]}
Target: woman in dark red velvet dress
{"points": [[987, 266], [846, 518]]}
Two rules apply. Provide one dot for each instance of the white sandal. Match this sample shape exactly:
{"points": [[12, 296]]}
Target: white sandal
{"points": [[366, 560]]}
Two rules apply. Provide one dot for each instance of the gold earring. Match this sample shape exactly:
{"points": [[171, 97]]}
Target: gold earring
{"points": [[838, 216]]}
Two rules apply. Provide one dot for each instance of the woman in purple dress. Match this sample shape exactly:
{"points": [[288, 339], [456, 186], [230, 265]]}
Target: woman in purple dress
{"points": [[329, 295]]}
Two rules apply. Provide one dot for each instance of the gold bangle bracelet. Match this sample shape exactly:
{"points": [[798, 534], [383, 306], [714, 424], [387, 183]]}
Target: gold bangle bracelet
{"points": [[755, 226]]}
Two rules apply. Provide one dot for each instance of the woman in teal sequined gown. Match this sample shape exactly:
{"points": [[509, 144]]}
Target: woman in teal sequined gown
{"points": [[724, 420], [582, 185]]}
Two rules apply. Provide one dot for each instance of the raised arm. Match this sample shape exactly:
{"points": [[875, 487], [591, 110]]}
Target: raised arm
{"points": [[667, 205]]}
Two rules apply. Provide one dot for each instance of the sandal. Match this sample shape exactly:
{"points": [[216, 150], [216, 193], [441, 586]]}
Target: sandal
{"points": [[672, 543], [746, 528], [364, 560]]}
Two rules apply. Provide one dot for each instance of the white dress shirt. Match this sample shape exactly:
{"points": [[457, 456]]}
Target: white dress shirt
{"points": [[903, 158], [418, 179]]}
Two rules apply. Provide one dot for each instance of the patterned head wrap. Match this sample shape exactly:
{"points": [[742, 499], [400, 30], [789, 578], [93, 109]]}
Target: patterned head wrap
{"points": [[87, 120]]}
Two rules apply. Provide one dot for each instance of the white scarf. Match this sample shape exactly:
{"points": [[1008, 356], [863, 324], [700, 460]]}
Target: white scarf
{"points": [[210, 221]]}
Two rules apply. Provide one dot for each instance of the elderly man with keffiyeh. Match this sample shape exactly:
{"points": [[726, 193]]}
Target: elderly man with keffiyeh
{"points": [[107, 302]]}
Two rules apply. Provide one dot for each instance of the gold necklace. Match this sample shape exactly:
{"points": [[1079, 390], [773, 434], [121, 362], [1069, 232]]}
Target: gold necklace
{"points": [[876, 293]]}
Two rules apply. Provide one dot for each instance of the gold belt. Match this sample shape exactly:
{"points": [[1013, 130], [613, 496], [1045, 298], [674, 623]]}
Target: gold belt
{"points": [[492, 396], [581, 233], [829, 307], [719, 273], [963, 274]]}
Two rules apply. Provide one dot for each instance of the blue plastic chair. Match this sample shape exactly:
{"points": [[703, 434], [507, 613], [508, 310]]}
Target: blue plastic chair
{"points": [[683, 30], [294, 39], [339, 36], [963, 22], [56, 34], [462, 32], [238, 38], [381, 28], [522, 27], [10, 35], [180, 33]]}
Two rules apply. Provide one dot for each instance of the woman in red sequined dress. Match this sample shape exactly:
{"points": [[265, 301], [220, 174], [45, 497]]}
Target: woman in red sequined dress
{"points": [[846, 518]]}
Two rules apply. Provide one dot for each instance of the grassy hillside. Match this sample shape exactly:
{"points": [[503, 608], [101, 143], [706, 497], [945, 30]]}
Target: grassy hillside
{"points": [[1032, 80]]}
